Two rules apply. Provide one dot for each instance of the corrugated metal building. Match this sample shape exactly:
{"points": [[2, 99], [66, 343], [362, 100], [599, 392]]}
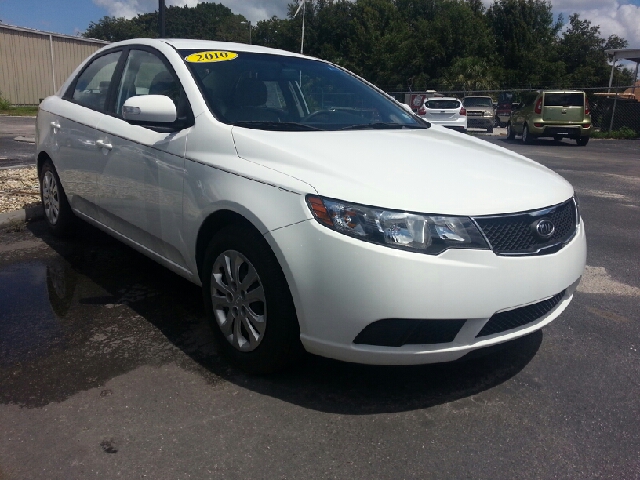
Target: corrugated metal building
{"points": [[34, 64]]}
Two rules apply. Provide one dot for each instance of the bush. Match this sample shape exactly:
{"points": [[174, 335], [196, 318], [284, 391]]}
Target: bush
{"points": [[4, 104], [624, 133]]}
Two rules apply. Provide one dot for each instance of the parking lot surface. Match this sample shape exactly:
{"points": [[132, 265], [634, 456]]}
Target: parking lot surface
{"points": [[16, 141], [108, 369]]}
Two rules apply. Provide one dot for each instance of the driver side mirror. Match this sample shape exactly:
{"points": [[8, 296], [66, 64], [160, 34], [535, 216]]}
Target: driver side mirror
{"points": [[149, 109]]}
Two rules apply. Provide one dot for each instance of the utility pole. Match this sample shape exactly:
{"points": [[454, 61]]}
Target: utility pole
{"points": [[249, 23], [161, 32], [304, 8]]}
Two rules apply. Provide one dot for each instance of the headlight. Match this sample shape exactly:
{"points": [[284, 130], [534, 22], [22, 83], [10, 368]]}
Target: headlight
{"points": [[431, 234]]}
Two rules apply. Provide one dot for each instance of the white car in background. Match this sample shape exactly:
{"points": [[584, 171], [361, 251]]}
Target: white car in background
{"points": [[445, 111], [313, 209]]}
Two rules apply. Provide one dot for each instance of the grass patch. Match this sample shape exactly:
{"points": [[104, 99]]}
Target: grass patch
{"points": [[624, 133], [19, 111], [7, 109]]}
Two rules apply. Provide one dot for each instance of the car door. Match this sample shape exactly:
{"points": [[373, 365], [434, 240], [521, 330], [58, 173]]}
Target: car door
{"points": [[76, 150], [141, 184]]}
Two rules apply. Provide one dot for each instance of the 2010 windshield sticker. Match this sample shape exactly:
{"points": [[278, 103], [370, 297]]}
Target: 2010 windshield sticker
{"points": [[213, 56]]}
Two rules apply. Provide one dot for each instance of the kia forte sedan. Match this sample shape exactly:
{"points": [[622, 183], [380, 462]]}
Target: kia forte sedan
{"points": [[291, 191]]}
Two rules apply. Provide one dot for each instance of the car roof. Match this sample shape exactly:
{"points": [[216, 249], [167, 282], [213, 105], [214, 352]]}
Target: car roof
{"points": [[206, 45], [441, 98], [562, 91]]}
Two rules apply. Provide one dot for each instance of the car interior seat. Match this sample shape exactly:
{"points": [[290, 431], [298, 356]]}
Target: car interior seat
{"points": [[249, 99]]}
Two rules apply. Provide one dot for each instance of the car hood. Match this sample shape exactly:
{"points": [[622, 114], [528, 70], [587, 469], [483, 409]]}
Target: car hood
{"points": [[428, 170]]}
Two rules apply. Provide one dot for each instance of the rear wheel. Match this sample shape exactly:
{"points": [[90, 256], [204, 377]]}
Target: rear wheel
{"points": [[57, 211], [526, 136], [582, 141], [511, 135], [248, 302]]}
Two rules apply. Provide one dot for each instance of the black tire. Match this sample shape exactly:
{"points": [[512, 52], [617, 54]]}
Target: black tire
{"points": [[57, 211], [511, 135], [526, 136], [582, 141], [240, 307]]}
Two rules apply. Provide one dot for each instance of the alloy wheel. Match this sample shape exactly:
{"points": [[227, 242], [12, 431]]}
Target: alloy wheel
{"points": [[50, 197], [238, 298]]}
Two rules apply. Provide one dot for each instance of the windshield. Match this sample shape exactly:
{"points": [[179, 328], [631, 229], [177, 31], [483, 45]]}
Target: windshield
{"points": [[442, 104], [477, 102], [274, 92]]}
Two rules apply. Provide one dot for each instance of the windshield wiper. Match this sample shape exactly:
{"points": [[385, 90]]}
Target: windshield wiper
{"points": [[280, 126], [381, 126]]}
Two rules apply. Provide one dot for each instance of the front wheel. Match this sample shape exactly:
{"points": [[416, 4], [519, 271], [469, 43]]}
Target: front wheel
{"points": [[511, 135], [582, 141], [57, 211], [248, 302]]}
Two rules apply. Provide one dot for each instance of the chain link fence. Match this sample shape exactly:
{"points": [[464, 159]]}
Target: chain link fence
{"points": [[612, 109]]}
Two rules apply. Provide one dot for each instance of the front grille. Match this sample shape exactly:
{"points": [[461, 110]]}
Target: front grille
{"points": [[515, 234], [518, 317], [395, 332], [474, 114]]}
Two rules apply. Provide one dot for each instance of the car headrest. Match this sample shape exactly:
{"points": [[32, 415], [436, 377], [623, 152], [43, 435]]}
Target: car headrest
{"points": [[162, 84], [250, 93]]}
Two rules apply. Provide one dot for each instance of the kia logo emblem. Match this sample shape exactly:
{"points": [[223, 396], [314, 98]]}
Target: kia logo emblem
{"points": [[544, 228]]}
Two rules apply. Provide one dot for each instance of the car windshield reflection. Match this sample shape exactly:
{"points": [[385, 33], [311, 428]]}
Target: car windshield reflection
{"points": [[274, 92]]}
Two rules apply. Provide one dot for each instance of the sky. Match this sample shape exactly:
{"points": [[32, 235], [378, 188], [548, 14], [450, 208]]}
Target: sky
{"points": [[71, 17]]}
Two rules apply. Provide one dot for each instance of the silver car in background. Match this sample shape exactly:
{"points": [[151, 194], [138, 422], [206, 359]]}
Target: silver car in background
{"points": [[445, 111]]}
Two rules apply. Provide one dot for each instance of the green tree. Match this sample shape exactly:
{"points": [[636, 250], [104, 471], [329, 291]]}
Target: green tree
{"points": [[114, 29], [526, 41], [582, 50], [469, 74], [209, 21]]}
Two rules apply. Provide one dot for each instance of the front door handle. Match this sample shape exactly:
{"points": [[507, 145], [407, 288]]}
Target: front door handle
{"points": [[55, 125], [103, 144]]}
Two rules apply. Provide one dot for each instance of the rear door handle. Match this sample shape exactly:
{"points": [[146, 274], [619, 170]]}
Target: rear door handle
{"points": [[103, 144], [55, 125]]}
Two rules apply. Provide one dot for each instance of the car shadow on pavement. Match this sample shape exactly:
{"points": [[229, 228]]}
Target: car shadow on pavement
{"points": [[116, 309], [549, 142]]}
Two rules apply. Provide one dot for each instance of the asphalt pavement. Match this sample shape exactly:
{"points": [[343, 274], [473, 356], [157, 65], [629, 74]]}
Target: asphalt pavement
{"points": [[108, 369], [17, 135]]}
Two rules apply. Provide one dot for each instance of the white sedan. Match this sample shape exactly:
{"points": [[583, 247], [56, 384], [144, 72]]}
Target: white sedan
{"points": [[290, 190], [445, 111]]}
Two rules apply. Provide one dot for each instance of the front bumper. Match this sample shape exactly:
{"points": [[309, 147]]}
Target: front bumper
{"points": [[480, 122], [340, 285]]}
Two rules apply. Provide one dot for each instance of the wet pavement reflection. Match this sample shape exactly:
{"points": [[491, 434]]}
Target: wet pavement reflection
{"points": [[76, 312]]}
